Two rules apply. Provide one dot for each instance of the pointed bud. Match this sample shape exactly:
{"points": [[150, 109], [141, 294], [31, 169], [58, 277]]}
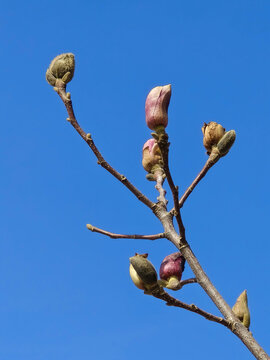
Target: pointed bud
{"points": [[156, 107], [212, 133], [241, 310], [171, 270], [226, 142], [142, 272], [151, 155], [61, 68]]}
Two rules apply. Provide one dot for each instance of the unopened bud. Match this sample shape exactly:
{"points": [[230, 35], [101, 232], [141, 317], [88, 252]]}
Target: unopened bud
{"points": [[156, 107], [212, 133], [142, 272], [61, 68], [226, 142], [241, 310], [151, 155], [171, 270]]}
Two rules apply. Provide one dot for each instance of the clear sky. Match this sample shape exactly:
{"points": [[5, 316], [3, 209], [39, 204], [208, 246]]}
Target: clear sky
{"points": [[65, 293]]}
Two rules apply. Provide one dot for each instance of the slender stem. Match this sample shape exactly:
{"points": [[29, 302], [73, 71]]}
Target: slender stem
{"points": [[187, 281], [61, 90], [207, 166], [164, 147], [236, 326], [122, 236], [171, 301]]}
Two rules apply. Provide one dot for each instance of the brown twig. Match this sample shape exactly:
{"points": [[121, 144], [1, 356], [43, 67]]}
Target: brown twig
{"points": [[61, 90], [171, 301], [209, 163], [122, 236], [187, 281], [164, 147]]}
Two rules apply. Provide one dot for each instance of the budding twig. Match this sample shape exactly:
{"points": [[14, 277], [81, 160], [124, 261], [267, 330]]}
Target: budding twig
{"points": [[123, 236], [61, 90], [164, 147], [171, 301]]}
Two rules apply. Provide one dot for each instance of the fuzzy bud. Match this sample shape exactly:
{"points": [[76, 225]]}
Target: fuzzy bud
{"points": [[226, 142], [61, 68], [212, 133], [171, 270], [156, 107], [142, 272], [241, 310], [151, 155]]}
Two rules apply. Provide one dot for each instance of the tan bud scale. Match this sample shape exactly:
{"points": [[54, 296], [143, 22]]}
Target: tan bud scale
{"points": [[241, 310]]}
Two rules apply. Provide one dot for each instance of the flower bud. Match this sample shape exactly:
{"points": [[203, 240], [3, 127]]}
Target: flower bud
{"points": [[212, 133], [62, 68], [241, 310], [171, 270], [226, 142], [151, 155], [142, 272], [156, 107]]}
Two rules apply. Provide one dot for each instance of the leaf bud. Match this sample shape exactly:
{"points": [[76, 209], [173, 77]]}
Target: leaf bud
{"points": [[151, 155], [61, 68], [171, 270], [142, 272], [240, 309], [212, 133], [226, 142], [156, 107]]}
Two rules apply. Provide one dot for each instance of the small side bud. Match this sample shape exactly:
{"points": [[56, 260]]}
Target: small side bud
{"points": [[156, 107], [151, 155], [171, 270], [142, 272], [241, 310], [61, 68], [212, 133], [226, 142]]}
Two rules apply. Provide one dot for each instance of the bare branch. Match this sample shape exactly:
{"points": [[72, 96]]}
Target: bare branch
{"points": [[209, 163], [164, 147], [187, 281], [122, 236], [171, 301], [61, 90]]}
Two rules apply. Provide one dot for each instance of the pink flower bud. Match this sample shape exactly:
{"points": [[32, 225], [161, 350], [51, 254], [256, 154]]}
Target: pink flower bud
{"points": [[151, 155], [172, 266], [156, 107]]}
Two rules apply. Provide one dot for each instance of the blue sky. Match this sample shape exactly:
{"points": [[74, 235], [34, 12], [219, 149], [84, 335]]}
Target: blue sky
{"points": [[66, 292]]}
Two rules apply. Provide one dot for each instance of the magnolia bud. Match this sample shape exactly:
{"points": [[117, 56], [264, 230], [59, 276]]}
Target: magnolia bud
{"points": [[226, 142], [171, 270], [151, 155], [212, 133], [61, 68], [142, 272], [156, 107], [241, 310]]}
